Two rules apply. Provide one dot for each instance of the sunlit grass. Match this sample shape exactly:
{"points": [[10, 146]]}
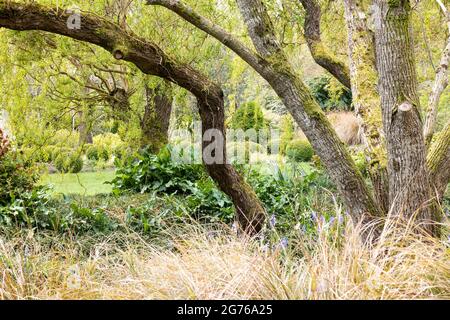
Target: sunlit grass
{"points": [[199, 263], [84, 183]]}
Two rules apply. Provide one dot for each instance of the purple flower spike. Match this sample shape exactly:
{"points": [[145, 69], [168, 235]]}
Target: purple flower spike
{"points": [[284, 243], [331, 220], [313, 215]]}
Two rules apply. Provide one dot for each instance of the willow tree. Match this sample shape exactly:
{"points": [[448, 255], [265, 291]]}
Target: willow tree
{"points": [[384, 84], [407, 177], [150, 59]]}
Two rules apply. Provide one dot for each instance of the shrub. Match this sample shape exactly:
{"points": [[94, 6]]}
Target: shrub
{"points": [[299, 151], [16, 177], [37, 209], [147, 172], [329, 94], [69, 162], [287, 132], [65, 139], [249, 116], [92, 153], [4, 144]]}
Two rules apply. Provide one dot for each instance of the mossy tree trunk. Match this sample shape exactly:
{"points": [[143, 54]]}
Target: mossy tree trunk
{"points": [[286, 82], [409, 179], [156, 118], [366, 99]]}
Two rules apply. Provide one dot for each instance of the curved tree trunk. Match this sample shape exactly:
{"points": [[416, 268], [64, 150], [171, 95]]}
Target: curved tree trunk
{"points": [[280, 74], [150, 59]]}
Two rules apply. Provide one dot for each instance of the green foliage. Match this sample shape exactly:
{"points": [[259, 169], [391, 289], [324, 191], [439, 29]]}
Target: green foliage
{"points": [[360, 162], [16, 177], [69, 162], [97, 152], [64, 139], [299, 150], [329, 94], [249, 116], [37, 209], [146, 172], [287, 132]]}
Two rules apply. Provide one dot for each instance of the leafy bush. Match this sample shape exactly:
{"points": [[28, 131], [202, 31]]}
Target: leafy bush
{"points": [[65, 139], [16, 177], [249, 116], [299, 150], [329, 94], [146, 172], [97, 152], [287, 132], [4, 144], [69, 162], [37, 209]]}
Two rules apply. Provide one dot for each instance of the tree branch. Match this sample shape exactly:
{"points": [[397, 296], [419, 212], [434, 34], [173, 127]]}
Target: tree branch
{"points": [[220, 34], [438, 160], [321, 54], [440, 83]]}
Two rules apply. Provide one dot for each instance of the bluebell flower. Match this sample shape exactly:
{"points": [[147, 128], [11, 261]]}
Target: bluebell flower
{"points": [[284, 243], [330, 222], [313, 215]]}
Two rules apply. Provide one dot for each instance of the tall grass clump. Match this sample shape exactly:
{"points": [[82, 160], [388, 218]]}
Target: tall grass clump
{"points": [[211, 262]]}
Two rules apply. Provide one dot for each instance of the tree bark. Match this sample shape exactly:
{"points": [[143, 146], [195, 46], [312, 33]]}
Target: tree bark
{"points": [[366, 100], [150, 59], [320, 53], [440, 83], [409, 182], [308, 114], [156, 119], [438, 161]]}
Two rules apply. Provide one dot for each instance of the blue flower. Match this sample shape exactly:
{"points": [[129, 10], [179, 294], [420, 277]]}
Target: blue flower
{"points": [[313, 215], [330, 222], [284, 243]]}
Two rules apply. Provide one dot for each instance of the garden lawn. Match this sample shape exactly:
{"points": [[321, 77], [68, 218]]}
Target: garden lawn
{"points": [[85, 183]]}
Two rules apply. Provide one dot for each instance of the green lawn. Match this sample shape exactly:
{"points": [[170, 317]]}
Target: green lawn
{"points": [[85, 183]]}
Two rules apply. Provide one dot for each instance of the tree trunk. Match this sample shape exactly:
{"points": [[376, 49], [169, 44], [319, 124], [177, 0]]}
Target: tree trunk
{"points": [[156, 119], [409, 182], [84, 130], [366, 100], [280, 74], [438, 161], [320, 53]]}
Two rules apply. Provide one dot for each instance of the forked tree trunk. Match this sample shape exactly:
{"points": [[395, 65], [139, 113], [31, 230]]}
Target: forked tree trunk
{"points": [[156, 119], [409, 182]]}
